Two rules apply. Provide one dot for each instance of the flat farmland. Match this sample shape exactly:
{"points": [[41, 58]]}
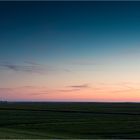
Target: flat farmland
{"points": [[53, 120]]}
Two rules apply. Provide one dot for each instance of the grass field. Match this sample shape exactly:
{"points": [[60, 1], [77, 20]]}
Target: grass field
{"points": [[69, 120]]}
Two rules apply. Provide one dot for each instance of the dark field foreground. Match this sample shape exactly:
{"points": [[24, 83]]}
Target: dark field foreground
{"points": [[70, 120]]}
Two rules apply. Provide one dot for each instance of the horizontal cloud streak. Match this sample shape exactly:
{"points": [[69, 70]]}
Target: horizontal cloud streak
{"points": [[79, 86], [24, 91], [30, 67], [22, 68], [84, 63], [68, 90], [74, 88]]}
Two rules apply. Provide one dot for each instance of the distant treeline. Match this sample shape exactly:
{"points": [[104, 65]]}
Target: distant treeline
{"points": [[3, 102]]}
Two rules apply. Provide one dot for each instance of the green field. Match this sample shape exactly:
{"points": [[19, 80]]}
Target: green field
{"points": [[69, 120]]}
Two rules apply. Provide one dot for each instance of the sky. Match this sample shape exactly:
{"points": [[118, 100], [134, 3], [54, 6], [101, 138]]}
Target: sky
{"points": [[70, 51]]}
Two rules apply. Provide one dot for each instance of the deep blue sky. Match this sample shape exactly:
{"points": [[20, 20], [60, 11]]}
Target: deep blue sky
{"points": [[69, 26]]}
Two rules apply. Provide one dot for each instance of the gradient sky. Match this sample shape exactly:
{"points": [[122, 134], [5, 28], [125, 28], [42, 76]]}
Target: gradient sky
{"points": [[70, 51]]}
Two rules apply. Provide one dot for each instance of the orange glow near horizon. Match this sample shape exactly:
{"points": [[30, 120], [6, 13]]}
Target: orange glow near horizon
{"points": [[75, 93]]}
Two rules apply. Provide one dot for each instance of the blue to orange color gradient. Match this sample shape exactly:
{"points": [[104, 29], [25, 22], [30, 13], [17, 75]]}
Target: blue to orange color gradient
{"points": [[70, 51]]}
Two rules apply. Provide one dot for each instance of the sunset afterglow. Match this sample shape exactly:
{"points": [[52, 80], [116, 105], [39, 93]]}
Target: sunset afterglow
{"points": [[70, 51]]}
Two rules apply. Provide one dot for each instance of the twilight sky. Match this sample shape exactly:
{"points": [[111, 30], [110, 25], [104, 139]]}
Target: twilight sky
{"points": [[70, 51]]}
